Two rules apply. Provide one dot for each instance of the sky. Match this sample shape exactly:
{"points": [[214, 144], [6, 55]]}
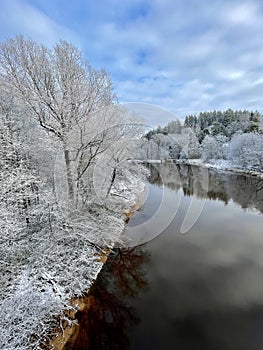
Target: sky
{"points": [[167, 58]]}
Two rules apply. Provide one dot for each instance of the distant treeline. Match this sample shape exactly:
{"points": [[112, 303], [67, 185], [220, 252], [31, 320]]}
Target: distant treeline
{"points": [[214, 123]]}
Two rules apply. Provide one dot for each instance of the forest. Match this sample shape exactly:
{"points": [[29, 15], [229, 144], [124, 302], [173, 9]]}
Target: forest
{"points": [[226, 138]]}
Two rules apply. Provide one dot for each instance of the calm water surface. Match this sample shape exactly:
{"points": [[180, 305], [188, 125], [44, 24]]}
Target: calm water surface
{"points": [[199, 290]]}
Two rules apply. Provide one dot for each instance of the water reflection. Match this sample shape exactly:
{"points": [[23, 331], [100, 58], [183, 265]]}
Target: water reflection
{"points": [[108, 316], [202, 290], [211, 279], [247, 191]]}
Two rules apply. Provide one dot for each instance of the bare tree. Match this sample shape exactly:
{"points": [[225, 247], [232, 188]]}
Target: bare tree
{"points": [[59, 89]]}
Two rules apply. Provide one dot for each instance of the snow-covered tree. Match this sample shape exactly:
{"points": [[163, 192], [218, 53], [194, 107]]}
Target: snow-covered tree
{"points": [[63, 93], [19, 183], [173, 127], [214, 147], [246, 150], [193, 146]]}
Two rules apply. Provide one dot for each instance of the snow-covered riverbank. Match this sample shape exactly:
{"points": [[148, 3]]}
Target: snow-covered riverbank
{"points": [[221, 164], [68, 329], [59, 266]]}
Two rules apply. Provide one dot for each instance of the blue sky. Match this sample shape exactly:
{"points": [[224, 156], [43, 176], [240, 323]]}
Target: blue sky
{"points": [[183, 56]]}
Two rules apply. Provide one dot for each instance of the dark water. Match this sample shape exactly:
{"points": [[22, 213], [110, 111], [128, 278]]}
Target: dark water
{"points": [[197, 289]]}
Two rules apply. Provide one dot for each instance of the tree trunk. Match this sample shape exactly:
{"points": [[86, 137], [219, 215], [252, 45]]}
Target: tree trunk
{"points": [[112, 180], [69, 179]]}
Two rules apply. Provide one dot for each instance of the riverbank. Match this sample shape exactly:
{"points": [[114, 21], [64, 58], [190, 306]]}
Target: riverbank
{"points": [[65, 333], [222, 165], [46, 265]]}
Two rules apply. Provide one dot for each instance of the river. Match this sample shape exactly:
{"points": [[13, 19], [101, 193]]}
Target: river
{"points": [[191, 273]]}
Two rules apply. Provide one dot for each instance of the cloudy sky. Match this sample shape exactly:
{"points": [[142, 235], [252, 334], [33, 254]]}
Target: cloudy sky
{"points": [[166, 57]]}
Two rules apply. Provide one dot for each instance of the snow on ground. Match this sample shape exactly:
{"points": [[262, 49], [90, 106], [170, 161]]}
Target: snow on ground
{"points": [[43, 271]]}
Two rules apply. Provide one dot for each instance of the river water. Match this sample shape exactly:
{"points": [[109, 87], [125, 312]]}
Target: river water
{"points": [[191, 274]]}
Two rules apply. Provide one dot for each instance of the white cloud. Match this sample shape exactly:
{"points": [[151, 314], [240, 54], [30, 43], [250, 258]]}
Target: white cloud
{"points": [[242, 13], [18, 17], [207, 64], [258, 81]]}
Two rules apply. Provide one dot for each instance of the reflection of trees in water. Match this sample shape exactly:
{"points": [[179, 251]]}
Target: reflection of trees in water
{"points": [[107, 316], [247, 191], [155, 174], [169, 177], [242, 189], [222, 196]]}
